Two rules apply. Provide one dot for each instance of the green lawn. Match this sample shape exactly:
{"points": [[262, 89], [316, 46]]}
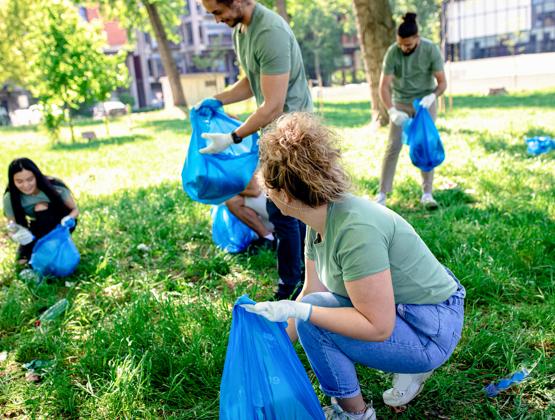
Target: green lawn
{"points": [[146, 334]]}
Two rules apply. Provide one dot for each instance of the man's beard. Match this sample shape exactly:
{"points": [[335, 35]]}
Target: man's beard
{"points": [[410, 52]]}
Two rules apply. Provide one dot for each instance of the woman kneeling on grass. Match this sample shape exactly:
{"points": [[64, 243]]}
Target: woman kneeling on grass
{"points": [[45, 201], [374, 294]]}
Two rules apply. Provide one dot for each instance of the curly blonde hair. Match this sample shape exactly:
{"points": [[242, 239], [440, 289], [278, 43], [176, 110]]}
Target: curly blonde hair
{"points": [[300, 155]]}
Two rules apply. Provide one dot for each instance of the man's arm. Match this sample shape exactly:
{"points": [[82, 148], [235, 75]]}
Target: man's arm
{"points": [[385, 90], [441, 82], [274, 90], [240, 91]]}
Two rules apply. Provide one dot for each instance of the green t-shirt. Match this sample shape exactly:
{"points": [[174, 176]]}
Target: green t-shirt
{"points": [[29, 201], [412, 74], [269, 47], [364, 238]]}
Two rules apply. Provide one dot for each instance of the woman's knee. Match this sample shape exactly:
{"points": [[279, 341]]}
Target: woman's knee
{"points": [[326, 300], [41, 207]]}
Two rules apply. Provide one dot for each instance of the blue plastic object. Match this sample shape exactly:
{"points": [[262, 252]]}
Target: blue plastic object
{"points": [[539, 145], [426, 149], [228, 232], [55, 254], [215, 178], [263, 377], [493, 390]]}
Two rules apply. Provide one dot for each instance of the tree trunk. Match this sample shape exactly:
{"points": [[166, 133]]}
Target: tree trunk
{"points": [[377, 32], [167, 58], [282, 10]]}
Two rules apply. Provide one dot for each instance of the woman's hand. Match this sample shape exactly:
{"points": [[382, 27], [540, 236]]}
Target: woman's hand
{"points": [[281, 311]]}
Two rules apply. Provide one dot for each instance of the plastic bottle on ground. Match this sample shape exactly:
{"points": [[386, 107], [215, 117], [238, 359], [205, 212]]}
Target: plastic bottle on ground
{"points": [[53, 312]]}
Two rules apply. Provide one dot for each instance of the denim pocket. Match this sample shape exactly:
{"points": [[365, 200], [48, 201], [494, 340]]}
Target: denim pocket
{"points": [[425, 319]]}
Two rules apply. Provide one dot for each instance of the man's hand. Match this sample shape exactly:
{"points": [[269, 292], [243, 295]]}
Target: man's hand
{"points": [[428, 100], [199, 104], [281, 311], [397, 117], [66, 220], [23, 237], [220, 142]]}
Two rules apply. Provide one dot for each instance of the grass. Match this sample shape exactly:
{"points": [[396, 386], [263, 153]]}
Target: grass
{"points": [[146, 334]]}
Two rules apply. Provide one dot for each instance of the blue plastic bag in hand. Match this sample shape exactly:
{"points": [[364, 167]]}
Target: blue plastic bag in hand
{"points": [[215, 178], [228, 232], [426, 149], [539, 145], [263, 377], [55, 254]]}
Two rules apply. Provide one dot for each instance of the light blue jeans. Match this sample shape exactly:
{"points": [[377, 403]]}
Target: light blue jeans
{"points": [[423, 339]]}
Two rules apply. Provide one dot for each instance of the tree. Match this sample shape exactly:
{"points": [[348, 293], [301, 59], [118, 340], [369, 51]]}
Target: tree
{"points": [[67, 62], [376, 32], [153, 17], [429, 12]]}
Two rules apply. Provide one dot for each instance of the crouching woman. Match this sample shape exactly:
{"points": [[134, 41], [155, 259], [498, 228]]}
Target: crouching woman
{"points": [[32, 196], [374, 294]]}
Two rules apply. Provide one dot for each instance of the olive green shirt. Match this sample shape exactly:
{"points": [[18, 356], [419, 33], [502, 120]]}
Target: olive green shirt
{"points": [[269, 47], [363, 238], [413, 76], [28, 202]]}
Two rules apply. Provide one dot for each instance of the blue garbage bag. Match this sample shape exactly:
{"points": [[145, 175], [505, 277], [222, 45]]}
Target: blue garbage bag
{"points": [[215, 178], [55, 254], [228, 232], [263, 377], [426, 150], [539, 145]]}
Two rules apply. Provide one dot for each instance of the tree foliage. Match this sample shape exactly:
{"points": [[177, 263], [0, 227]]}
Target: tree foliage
{"points": [[429, 13]]}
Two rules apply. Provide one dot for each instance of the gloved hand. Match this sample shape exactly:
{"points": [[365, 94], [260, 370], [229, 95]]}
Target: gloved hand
{"points": [[397, 117], [66, 219], [23, 236], [428, 100], [220, 142], [199, 104], [281, 310]]}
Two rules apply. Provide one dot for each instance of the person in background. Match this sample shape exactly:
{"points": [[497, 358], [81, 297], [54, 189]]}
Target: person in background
{"points": [[44, 201], [411, 68], [374, 293], [271, 58]]}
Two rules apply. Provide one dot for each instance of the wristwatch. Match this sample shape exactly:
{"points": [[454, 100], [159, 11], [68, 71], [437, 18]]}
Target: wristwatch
{"points": [[236, 138]]}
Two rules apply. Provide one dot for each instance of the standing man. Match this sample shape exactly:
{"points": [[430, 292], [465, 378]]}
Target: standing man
{"points": [[411, 68], [271, 58]]}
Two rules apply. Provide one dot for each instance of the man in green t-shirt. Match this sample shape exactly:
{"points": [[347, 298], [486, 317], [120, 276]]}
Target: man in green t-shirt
{"points": [[271, 58], [411, 68]]}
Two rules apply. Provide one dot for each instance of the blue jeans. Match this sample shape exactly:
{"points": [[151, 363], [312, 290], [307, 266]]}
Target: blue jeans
{"points": [[423, 339], [290, 248]]}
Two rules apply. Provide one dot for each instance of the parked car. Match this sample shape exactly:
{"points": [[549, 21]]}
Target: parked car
{"points": [[30, 116], [109, 109]]}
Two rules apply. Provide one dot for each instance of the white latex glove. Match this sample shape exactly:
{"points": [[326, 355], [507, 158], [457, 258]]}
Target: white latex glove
{"points": [[281, 310], [198, 104], [65, 219], [220, 142], [428, 100], [23, 237], [397, 117]]}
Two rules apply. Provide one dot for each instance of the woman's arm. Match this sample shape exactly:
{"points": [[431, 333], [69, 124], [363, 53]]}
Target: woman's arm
{"points": [[312, 284], [373, 315], [72, 206]]}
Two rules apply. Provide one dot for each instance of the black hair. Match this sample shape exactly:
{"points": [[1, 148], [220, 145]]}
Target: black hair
{"points": [[409, 27], [44, 183]]}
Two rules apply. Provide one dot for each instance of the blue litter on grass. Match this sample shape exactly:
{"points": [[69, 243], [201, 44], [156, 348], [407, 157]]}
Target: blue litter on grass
{"points": [[493, 390], [539, 145]]}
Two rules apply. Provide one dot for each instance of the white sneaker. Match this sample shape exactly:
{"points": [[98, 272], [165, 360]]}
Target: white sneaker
{"points": [[428, 201], [380, 199], [335, 412], [405, 388]]}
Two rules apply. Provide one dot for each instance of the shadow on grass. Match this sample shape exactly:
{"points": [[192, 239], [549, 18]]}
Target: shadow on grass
{"points": [[347, 114], [542, 99], [102, 141]]}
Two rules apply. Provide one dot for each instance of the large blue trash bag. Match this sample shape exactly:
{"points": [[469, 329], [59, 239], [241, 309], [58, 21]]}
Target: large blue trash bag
{"points": [[228, 232], [215, 178], [539, 145], [263, 377], [426, 149], [55, 254]]}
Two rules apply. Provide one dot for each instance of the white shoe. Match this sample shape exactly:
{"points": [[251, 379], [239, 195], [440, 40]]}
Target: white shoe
{"points": [[428, 201], [335, 412], [405, 388], [380, 199]]}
